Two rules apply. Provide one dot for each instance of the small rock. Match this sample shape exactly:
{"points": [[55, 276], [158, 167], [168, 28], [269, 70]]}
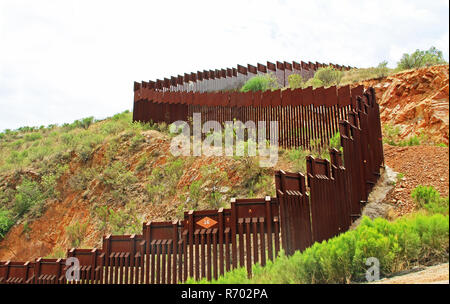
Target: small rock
{"points": [[224, 189]]}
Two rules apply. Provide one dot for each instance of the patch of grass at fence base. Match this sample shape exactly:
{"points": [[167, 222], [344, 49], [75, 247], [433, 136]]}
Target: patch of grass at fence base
{"points": [[399, 245]]}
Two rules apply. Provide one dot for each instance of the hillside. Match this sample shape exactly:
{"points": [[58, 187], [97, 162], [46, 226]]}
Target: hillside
{"points": [[65, 186], [415, 103]]}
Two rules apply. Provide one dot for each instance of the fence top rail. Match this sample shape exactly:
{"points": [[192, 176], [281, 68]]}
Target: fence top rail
{"points": [[241, 69], [328, 97]]}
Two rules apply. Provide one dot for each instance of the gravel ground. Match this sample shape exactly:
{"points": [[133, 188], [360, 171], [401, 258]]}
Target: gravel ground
{"points": [[420, 165], [438, 274]]}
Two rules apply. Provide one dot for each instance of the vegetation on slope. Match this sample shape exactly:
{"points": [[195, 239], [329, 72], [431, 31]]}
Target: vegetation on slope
{"points": [[123, 170], [418, 239], [328, 76], [261, 83], [33, 160]]}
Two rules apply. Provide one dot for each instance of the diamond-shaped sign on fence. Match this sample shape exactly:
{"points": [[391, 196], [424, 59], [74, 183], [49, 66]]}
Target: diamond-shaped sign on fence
{"points": [[206, 222]]}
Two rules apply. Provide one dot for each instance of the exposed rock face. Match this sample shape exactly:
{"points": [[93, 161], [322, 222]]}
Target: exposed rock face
{"points": [[417, 101]]}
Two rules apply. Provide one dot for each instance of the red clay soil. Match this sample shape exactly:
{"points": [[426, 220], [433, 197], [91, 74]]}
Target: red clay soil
{"points": [[421, 165]]}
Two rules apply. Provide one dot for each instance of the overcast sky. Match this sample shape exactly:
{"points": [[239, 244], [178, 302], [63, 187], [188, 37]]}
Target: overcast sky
{"points": [[64, 60]]}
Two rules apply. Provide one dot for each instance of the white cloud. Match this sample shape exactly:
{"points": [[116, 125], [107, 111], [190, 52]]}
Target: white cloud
{"points": [[62, 60]]}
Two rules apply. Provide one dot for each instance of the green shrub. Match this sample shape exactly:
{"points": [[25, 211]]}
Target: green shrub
{"points": [[6, 222], [163, 180], [411, 141], [420, 59], [194, 191], [83, 123], [298, 158], [425, 194], [398, 245], [295, 81], [81, 180], [32, 136], [391, 134], [124, 221], [313, 82], [117, 176], [428, 198], [57, 253], [261, 83], [329, 76], [136, 141], [119, 179], [76, 233], [335, 141], [214, 177], [143, 161], [28, 194]]}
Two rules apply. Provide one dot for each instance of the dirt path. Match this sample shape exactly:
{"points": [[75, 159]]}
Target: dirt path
{"points": [[420, 165], [438, 274]]}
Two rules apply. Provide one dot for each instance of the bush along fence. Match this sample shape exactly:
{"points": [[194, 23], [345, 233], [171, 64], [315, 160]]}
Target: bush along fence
{"points": [[207, 243], [233, 78], [306, 118]]}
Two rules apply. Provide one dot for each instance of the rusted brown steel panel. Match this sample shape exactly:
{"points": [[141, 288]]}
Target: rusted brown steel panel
{"points": [[307, 96], [233, 99], [319, 96], [252, 69], [344, 96], [275, 98], [187, 77], [261, 68], [287, 66], [12, 272], [49, 271], [286, 97], [199, 75], [356, 91], [241, 69], [166, 83], [271, 66], [180, 80], [296, 66], [266, 98], [193, 77], [173, 81], [92, 260]]}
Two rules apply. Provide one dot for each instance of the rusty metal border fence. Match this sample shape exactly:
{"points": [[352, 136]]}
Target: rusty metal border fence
{"points": [[205, 244], [232, 78], [306, 118]]}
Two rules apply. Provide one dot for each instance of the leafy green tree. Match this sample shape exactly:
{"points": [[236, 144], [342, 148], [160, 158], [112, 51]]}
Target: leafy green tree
{"points": [[421, 58], [382, 69]]}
